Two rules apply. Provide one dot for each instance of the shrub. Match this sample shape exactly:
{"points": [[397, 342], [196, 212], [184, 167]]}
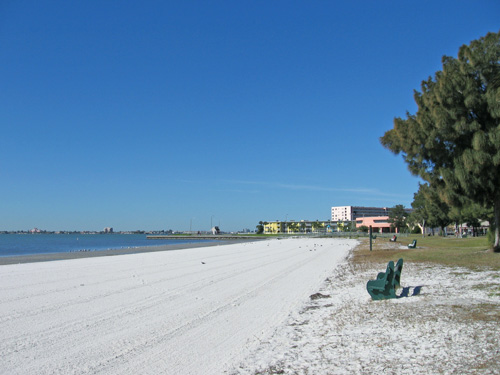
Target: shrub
{"points": [[416, 230]]}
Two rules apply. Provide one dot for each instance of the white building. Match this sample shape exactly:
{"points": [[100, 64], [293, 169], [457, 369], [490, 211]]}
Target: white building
{"points": [[351, 213]]}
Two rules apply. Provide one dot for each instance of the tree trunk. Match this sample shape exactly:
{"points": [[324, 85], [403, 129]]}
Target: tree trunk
{"points": [[496, 245]]}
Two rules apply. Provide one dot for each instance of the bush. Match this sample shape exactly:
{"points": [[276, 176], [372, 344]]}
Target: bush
{"points": [[363, 228]]}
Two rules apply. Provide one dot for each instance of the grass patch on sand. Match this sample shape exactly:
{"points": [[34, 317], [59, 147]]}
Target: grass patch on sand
{"points": [[472, 253]]}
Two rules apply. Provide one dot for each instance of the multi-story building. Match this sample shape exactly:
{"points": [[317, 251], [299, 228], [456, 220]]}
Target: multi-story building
{"points": [[302, 226], [379, 224], [351, 213]]}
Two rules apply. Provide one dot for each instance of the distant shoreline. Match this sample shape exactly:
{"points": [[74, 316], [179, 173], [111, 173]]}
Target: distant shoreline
{"points": [[34, 258]]}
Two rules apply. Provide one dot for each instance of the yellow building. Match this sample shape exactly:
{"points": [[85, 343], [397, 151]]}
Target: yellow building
{"points": [[302, 226]]}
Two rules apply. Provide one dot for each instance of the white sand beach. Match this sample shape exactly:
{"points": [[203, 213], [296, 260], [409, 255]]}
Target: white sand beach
{"points": [[193, 311], [295, 306], [451, 327]]}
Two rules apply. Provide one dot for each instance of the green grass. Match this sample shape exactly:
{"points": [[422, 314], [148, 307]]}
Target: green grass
{"points": [[472, 253]]}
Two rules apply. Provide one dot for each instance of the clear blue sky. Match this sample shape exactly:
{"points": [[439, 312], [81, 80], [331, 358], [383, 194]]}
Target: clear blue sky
{"points": [[171, 114]]}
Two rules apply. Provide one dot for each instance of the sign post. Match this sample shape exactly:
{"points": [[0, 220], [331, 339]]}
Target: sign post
{"points": [[370, 238]]}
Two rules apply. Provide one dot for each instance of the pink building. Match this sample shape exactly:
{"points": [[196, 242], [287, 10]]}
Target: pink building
{"points": [[379, 224]]}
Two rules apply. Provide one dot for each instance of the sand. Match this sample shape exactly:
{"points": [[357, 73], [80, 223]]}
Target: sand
{"points": [[192, 311], [270, 307]]}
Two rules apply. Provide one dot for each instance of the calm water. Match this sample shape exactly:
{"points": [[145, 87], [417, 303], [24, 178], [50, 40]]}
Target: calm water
{"points": [[27, 244]]}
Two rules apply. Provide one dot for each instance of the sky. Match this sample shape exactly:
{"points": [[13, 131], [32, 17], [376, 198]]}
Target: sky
{"points": [[151, 115]]}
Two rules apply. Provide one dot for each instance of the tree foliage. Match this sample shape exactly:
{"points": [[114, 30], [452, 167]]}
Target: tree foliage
{"points": [[316, 225], [429, 209], [303, 227], [397, 217], [363, 228], [453, 141], [293, 227], [471, 214], [260, 227], [419, 215]]}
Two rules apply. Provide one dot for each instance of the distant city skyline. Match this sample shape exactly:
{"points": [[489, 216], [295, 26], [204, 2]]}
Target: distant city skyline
{"points": [[138, 231], [177, 115]]}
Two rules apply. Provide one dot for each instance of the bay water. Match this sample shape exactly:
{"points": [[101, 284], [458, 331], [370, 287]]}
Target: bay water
{"points": [[29, 244]]}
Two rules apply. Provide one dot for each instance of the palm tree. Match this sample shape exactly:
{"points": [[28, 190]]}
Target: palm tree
{"points": [[303, 227], [294, 227], [316, 225]]}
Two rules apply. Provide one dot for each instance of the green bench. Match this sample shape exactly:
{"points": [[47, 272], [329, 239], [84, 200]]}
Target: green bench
{"points": [[413, 245], [384, 286]]}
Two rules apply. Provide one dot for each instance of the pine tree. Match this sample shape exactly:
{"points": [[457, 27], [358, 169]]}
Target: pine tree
{"points": [[397, 217], [430, 209], [453, 141]]}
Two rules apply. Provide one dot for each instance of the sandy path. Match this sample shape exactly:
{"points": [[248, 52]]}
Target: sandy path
{"points": [[163, 312]]}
